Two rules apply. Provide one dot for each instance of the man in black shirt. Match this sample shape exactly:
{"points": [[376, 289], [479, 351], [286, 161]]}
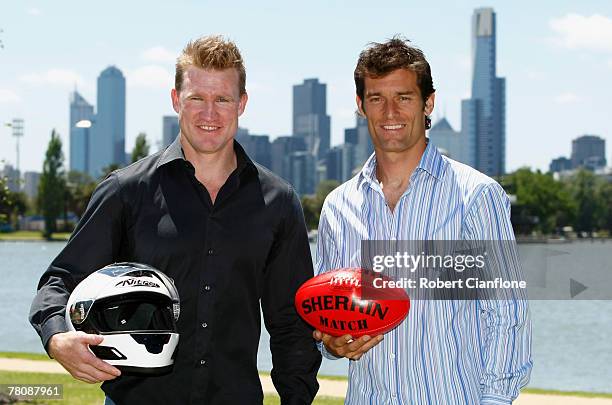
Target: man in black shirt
{"points": [[228, 231]]}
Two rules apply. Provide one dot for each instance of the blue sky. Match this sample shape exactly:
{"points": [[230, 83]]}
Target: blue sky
{"points": [[556, 57]]}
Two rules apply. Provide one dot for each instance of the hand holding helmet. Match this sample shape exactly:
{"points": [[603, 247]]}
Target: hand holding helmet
{"points": [[123, 315], [71, 350]]}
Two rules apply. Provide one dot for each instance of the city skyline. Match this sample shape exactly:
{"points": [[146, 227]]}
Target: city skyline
{"points": [[548, 104]]}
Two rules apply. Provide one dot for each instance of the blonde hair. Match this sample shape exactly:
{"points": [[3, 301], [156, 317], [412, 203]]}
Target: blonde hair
{"points": [[211, 52]]}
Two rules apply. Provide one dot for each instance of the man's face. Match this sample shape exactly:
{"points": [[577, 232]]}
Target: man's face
{"points": [[394, 108], [208, 106]]}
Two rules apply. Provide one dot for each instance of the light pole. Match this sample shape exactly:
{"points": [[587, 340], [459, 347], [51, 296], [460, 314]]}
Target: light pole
{"points": [[17, 126]]}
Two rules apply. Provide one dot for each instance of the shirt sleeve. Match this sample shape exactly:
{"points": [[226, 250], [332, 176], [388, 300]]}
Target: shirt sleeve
{"points": [[506, 339], [94, 243], [295, 357]]}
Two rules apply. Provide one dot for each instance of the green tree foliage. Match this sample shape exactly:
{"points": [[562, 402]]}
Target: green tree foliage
{"points": [[5, 200], [141, 147], [52, 187], [312, 205], [542, 203], [584, 188], [80, 187], [108, 170], [604, 213]]}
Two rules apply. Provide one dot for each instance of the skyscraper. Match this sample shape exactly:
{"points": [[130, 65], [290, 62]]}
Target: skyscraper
{"points": [[589, 151], [80, 110], [310, 119], [170, 129], [484, 115], [107, 138]]}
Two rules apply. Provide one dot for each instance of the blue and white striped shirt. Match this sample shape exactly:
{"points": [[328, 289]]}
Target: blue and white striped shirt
{"points": [[444, 352]]}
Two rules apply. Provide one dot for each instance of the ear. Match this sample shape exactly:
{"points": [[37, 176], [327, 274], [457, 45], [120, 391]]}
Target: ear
{"points": [[360, 109], [242, 103], [175, 100], [429, 104]]}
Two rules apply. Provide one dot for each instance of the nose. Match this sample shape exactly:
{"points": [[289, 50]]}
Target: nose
{"points": [[207, 111], [391, 109]]}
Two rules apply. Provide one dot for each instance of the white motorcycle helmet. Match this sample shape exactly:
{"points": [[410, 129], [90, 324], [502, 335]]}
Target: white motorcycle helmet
{"points": [[135, 308]]}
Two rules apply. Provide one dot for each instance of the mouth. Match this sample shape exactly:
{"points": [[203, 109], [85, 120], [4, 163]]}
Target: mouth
{"points": [[393, 127], [208, 128]]}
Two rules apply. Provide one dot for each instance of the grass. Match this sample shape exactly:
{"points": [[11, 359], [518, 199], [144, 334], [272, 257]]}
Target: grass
{"points": [[85, 393], [80, 393], [32, 235]]}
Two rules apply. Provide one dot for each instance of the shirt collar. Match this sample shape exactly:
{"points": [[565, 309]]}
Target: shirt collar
{"points": [[431, 163], [175, 152]]}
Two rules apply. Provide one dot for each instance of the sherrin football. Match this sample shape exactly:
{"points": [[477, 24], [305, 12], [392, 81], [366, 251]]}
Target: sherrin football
{"points": [[331, 302]]}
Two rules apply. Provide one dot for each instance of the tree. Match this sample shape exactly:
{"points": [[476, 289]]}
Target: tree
{"points": [[584, 191], [108, 170], [312, 205], [52, 187], [141, 147], [542, 203], [604, 214], [80, 187]]}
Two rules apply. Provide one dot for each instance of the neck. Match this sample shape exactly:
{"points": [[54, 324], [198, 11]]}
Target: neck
{"points": [[211, 168], [393, 169]]}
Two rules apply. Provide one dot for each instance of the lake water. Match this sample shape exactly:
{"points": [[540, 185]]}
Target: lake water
{"points": [[572, 340]]}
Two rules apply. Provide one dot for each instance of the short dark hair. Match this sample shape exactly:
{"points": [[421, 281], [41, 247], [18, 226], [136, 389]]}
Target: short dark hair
{"points": [[378, 60]]}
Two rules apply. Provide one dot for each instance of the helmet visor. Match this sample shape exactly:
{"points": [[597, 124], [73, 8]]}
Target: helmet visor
{"points": [[131, 312]]}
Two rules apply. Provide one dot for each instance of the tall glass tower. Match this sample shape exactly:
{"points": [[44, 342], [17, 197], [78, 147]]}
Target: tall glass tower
{"points": [[310, 119], [80, 110], [107, 140], [484, 115]]}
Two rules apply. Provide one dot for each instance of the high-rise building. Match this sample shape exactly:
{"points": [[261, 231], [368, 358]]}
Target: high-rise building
{"points": [[170, 129], [589, 151], [282, 147], [484, 115], [107, 137], [12, 177], [560, 164], [30, 184], [310, 119], [448, 141], [258, 147], [80, 110]]}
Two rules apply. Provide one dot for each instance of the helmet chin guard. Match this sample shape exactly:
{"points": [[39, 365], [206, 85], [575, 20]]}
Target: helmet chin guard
{"points": [[135, 308]]}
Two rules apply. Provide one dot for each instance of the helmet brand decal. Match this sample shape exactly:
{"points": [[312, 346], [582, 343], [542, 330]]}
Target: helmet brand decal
{"points": [[134, 282]]}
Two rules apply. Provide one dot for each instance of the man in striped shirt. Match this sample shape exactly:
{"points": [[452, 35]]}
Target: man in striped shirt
{"points": [[445, 351]]}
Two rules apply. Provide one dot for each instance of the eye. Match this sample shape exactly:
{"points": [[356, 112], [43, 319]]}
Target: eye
{"points": [[405, 98], [195, 98], [375, 99], [223, 100]]}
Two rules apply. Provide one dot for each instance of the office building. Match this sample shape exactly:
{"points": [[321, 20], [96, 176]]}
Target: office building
{"points": [[589, 151], [80, 110], [107, 137], [170, 129], [310, 119]]}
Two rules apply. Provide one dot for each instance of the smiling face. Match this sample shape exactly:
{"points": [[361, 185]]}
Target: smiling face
{"points": [[208, 105], [395, 111]]}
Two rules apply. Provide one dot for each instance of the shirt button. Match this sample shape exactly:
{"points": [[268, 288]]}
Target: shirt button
{"points": [[392, 355], [202, 362], [206, 287], [393, 394], [210, 252], [204, 325]]}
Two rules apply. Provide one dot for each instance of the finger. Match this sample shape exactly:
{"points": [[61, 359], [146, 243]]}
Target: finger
{"points": [[91, 339], [101, 365], [96, 374], [362, 345], [317, 335], [341, 341]]}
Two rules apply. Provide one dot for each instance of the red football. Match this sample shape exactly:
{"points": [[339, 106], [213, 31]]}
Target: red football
{"points": [[331, 302]]}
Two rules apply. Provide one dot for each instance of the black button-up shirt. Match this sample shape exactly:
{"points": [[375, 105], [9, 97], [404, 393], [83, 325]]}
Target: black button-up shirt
{"points": [[250, 246]]}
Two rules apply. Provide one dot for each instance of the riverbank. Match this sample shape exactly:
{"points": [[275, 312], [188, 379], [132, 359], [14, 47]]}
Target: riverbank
{"points": [[20, 236], [330, 387]]}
